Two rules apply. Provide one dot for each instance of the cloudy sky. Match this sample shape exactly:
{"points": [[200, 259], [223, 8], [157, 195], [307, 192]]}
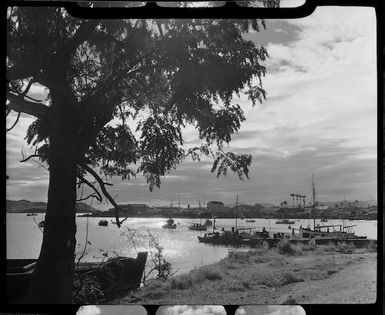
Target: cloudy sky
{"points": [[320, 118]]}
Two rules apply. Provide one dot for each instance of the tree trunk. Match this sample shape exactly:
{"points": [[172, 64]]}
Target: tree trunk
{"points": [[52, 279]]}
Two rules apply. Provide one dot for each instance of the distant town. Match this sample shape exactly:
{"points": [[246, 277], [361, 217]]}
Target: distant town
{"points": [[352, 210]]}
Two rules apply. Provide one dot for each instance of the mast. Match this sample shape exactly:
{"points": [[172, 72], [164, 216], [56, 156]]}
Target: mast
{"points": [[313, 190], [236, 214]]}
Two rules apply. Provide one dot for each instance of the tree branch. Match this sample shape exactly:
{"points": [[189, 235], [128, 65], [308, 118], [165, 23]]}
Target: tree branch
{"points": [[83, 180], [19, 104], [14, 124], [30, 157], [105, 192], [89, 196]]}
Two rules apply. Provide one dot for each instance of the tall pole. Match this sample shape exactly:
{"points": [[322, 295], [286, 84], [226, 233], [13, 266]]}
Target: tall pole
{"points": [[313, 188], [236, 214]]}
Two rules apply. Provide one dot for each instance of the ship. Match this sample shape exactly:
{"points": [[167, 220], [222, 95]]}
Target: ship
{"points": [[169, 224]]}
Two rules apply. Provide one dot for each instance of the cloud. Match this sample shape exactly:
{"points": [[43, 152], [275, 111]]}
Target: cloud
{"points": [[319, 117]]}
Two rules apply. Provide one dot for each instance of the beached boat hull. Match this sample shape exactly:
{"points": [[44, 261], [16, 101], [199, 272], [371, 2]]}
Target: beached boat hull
{"points": [[116, 275]]}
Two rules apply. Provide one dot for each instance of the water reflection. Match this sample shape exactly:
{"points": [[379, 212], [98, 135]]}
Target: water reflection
{"points": [[180, 246]]}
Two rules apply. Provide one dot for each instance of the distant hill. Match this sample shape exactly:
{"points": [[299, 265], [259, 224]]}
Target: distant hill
{"points": [[22, 206], [267, 205]]}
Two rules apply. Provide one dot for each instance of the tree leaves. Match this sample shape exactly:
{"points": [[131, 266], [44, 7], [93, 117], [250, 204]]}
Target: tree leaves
{"points": [[164, 73]]}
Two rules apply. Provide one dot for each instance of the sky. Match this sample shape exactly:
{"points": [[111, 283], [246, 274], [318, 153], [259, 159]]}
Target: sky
{"points": [[320, 117]]}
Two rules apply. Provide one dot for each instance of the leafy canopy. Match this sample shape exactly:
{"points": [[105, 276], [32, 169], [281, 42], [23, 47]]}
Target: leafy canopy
{"points": [[163, 74]]}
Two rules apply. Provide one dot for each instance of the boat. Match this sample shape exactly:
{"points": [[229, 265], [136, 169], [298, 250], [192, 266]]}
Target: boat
{"points": [[285, 221], [169, 224], [251, 221], [103, 223], [41, 224], [324, 220], [237, 236], [31, 214], [324, 234], [208, 222], [116, 276], [197, 227]]}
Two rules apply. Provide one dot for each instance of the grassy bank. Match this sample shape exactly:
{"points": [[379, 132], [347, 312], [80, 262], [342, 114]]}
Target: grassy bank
{"points": [[255, 276]]}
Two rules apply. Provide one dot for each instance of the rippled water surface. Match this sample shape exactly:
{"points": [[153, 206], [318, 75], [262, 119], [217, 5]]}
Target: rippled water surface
{"points": [[181, 246]]}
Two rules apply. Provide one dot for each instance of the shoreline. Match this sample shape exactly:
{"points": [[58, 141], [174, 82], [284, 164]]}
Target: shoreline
{"points": [[322, 274]]}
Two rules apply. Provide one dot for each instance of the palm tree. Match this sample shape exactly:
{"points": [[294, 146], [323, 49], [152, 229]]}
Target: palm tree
{"points": [[297, 196], [292, 196]]}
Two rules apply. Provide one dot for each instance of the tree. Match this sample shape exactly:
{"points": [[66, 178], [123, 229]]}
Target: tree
{"points": [[160, 74]]}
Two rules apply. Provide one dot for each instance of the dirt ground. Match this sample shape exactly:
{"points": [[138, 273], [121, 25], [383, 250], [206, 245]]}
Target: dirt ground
{"points": [[272, 278]]}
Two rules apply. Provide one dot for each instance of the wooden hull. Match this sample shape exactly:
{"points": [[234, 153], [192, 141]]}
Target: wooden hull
{"points": [[285, 222], [117, 275], [169, 226], [198, 228]]}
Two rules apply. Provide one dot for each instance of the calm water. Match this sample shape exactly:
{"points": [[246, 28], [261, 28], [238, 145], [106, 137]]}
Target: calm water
{"points": [[181, 246]]}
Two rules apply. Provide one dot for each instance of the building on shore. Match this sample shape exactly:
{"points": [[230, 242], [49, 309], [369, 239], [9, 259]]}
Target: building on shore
{"points": [[215, 207]]}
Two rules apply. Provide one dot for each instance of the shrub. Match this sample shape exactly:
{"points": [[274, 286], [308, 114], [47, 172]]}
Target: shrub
{"points": [[372, 246], [289, 277], [181, 282], [285, 248], [210, 274], [239, 257], [345, 248], [87, 290]]}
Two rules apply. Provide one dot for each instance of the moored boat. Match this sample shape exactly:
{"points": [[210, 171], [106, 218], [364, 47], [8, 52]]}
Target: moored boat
{"points": [[208, 222], [323, 234], [169, 224], [103, 223], [197, 227], [285, 221], [116, 275]]}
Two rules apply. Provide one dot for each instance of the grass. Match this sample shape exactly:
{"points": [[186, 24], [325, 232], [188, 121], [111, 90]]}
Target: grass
{"points": [[285, 248], [247, 270]]}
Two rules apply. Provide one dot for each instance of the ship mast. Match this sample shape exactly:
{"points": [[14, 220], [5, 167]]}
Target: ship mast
{"points": [[313, 190], [236, 214]]}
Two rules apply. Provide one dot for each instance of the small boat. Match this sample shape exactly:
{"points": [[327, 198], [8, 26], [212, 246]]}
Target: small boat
{"points": [[197, 227], [170, 224], [116, 276], [208, 222], [41, 224], [324, 220], [285, 221], [31, 214], [251, 221], [103, 223]]}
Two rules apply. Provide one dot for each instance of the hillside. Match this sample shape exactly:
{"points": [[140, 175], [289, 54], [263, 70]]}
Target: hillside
{"points": [[22, 206]]}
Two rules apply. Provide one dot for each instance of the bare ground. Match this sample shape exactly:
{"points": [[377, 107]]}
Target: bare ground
{"points": [[267, 277]]}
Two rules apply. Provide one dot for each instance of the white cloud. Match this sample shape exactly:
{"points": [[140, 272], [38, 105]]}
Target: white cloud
{"points": [[320, 114]]}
